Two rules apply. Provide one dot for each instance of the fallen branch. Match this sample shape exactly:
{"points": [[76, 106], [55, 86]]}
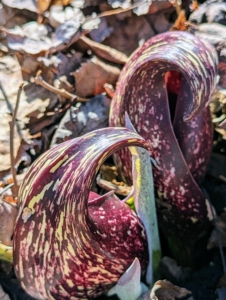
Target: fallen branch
{"points": [[62, 92], [15, 187]]}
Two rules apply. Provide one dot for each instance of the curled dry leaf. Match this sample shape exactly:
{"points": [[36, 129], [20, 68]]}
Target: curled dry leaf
{"points": [[58, 15], [35, 39], [30, 38], [103, 31], [6, 13], [21, 4], [8, 215], [44, 5], [210, 12], [82, 119], [126, 38], [10, 76], [104, 51], [180, 21], [165, 290], [69, 63], [141, 7], [92, 76]]}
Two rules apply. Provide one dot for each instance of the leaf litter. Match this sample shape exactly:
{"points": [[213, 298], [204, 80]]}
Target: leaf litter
{"points": [[79, 48]]}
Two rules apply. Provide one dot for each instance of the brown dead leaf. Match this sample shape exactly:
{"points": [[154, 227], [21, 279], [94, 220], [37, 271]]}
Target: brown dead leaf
{"points": [[10, 76], [128, 33], [165, 290], [92, 76], [34, 38], [132, 31], [105, 52], [10, 199], [180, 21], [21, 4], [38, 109], [30, 38], [44, 5], [103, 31], [68, 63], [210, 12], [141, 7], [8, 214], [6, 13], [83, 118], [59, 15]]}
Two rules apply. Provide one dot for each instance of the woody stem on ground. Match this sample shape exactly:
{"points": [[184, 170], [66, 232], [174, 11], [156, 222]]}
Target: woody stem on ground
{"points": [[62, 92], [12, 123]]}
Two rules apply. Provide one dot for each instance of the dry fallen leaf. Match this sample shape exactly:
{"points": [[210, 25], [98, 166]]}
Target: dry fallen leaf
{"points": [[165, 290], [22, 4], [59, 15], [83, 118], [37, 39], [104, 52], [92, 76], [8, 214], [180, 21], [10, 78], [44, 5], [210, 12]]}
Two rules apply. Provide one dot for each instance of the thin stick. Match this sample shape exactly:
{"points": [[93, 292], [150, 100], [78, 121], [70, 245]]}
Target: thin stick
{"points": [[12, 123], [5, 189], [10, 108], [62, 92], [115, 11]]}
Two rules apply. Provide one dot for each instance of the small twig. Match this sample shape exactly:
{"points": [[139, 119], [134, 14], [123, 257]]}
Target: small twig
{"points": [[6, 188], [12, 123], [177, 5], [62, 92], [110, 186], [10, 108], [115, 11]]}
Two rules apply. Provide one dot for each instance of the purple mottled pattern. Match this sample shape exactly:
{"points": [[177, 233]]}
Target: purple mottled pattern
{"points": [[181, 147], [65, 248]]}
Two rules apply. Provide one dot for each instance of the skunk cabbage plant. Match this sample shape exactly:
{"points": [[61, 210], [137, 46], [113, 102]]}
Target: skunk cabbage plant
{"points": [[181, 144], [129, 286], [70, 243]]}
